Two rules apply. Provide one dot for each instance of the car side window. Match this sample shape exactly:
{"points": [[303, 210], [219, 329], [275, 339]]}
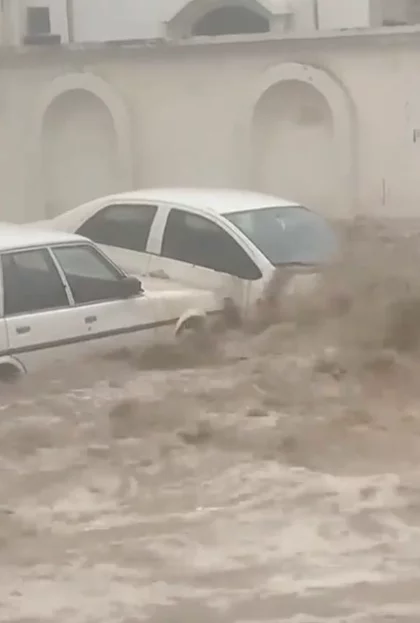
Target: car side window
{"points": [[124, 226], [91, 277], [31, 283], [200, 242]]}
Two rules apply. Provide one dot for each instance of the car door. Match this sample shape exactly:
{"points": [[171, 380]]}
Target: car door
{"points": [[123, 231], [112, 322], [42, 326], [199, 252]]}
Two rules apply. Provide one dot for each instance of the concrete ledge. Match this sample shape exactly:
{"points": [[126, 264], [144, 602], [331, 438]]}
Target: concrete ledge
{"points": [[364, 36]]}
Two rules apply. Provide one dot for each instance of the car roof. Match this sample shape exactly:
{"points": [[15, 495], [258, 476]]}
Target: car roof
{"points": [[20, 236], [217, 200]]}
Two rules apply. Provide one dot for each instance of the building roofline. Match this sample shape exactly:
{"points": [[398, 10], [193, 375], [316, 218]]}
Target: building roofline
{"points": [[387, 32], [384, 36]]}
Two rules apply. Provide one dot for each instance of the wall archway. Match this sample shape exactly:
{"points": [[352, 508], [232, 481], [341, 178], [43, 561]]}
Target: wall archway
{"points": [[204, 17], [230, 20], [79, 151], [302, 135], [68, 100]]}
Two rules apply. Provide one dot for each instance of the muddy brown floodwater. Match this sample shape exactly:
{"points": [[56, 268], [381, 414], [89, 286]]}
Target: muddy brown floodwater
{"points": [[275, 479]]}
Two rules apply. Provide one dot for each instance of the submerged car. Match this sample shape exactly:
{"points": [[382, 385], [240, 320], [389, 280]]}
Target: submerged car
{"points": [[227, 241], [61, 297]]}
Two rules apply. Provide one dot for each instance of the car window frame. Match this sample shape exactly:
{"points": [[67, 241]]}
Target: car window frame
{"points": [[103, 256], [224, 226], [136, 204], [268, 208], [41, 248]]}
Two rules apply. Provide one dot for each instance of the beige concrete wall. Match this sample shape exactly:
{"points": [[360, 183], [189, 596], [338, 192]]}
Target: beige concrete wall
{"points": [[329, 121], [99, 20], [12, 22], [344, 14]]}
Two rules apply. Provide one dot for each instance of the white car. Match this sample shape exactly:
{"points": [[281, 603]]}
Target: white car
{"points": [[62, 297], [227, 241]]}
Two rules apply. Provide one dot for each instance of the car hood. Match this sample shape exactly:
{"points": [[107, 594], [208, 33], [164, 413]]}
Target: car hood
{"points": [[178, 298], [292, 281], [302, 283], [167, 285], [166, 289]]}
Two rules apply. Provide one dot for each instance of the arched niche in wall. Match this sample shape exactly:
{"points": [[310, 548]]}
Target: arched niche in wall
{"points": [[303, 138], [80, 145], [230, 20], [216, 18]]}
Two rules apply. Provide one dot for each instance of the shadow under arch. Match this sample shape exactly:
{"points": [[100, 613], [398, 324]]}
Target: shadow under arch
{"points": [[230, 20], [189, 21]]}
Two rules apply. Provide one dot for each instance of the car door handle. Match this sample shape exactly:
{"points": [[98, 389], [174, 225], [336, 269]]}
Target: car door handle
{"points": [[23, 329], [90, 319]]}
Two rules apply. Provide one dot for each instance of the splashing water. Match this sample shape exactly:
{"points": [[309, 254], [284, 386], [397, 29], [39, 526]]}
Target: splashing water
{"points": [[277, 483]]}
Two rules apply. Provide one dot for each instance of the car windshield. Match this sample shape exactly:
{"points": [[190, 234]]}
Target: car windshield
{"points": [[288, 235]]}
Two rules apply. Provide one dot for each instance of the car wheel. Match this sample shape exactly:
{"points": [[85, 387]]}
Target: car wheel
{"points": [[194, 333], [9, 373]]}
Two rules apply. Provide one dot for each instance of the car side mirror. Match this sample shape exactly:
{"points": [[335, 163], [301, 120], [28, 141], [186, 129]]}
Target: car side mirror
{"points": [[130, 286]]}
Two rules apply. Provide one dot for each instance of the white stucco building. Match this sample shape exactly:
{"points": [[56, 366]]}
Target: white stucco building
{"points": [[330, 119], [324, 116], [61, 21]]}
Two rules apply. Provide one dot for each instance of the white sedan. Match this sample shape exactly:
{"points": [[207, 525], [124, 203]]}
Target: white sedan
{"points": [[227, 241], [62, 297]]}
